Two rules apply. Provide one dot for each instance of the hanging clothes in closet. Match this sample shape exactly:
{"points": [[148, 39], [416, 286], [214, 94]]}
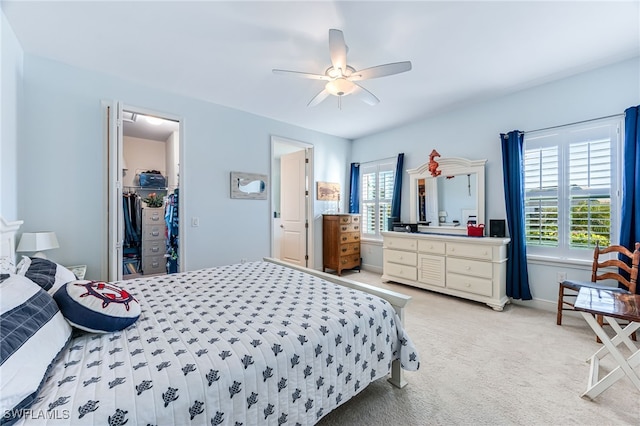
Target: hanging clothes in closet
{"points": [[132, 212], [171, 218]]}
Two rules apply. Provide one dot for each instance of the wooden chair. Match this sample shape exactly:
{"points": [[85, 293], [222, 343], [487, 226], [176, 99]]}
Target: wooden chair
{"points": [[568, 289]]}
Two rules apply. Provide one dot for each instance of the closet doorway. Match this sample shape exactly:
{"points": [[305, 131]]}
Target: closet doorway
{"points": [[292, 201], [146, 149]]}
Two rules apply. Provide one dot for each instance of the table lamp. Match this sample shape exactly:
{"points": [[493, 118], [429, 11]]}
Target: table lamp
{"points": [[38, 242]]}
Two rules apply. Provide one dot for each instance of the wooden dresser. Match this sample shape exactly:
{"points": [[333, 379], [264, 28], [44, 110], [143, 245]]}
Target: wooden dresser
{"points": [[473, 268], [154, 234], [340, 242]]}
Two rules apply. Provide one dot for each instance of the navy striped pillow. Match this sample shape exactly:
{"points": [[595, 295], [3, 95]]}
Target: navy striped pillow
{"points": [[31, 328]]}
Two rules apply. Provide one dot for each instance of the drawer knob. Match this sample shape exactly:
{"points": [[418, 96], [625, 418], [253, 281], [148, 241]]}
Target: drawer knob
{"points": [[155, 218], [155, 249], [468, 268], [468, 284], [155, 264]]}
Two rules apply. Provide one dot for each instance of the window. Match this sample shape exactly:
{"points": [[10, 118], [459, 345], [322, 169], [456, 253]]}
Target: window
{"points": [[571, 185], [377, 180]]}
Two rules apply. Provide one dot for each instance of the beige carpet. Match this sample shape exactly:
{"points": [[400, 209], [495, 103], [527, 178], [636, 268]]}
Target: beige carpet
{"points": [[481, 367]]}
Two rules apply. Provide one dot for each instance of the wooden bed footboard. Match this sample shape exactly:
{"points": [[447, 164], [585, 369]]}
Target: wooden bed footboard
{"points": [[397, 300]]}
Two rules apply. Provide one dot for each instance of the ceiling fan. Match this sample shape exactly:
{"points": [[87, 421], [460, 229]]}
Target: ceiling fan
{"points": [[342, 78]]}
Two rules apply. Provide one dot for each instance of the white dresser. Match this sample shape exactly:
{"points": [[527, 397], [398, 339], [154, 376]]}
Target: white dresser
{"points": [[473, 268]]}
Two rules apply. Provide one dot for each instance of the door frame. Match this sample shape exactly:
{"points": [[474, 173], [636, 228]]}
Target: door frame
{"points": [[112, 110], [310, 194]]}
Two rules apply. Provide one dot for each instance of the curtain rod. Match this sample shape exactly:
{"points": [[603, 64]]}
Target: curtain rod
{"points": [[577, 122]]}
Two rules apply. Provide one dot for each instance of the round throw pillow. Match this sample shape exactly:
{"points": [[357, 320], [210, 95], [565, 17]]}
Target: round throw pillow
{"points": [[97, 306]]}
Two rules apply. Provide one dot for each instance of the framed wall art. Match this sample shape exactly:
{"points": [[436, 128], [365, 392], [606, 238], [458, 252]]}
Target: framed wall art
{"points": [[327, 191], [249, 186]]}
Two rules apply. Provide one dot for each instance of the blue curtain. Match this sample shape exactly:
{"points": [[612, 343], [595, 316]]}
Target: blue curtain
{"points": [[630, 218], [397, 188], [354, 190], [512, 171]]}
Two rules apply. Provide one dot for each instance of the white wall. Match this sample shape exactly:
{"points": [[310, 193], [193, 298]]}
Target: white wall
{"points": [[62, 179], [11, 60], [141, 155], [473, 132]]}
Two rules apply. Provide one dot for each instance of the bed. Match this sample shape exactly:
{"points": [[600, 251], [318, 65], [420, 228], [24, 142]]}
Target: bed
{"points": [[253, 343]]}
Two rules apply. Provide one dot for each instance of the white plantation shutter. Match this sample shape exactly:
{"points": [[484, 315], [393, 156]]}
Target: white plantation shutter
{"points": [[377, 180], [571, 183]]}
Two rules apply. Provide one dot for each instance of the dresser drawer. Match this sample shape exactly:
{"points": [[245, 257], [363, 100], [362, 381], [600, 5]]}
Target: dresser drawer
{"points": [[435, 247], [349, 237], [151, 216], [351, 227], [402, 257], [346, 219], [351, 248], [468, 250], [469, 284], [154, 265], [400, 243], [349, 261], [400, 271], [153, 248], [470, 267], [153, 232]]}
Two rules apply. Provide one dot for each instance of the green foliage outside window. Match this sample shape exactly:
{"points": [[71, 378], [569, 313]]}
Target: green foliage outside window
{"points": [[590, 224]]}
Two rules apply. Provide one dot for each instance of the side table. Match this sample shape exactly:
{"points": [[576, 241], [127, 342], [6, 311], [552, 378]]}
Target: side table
{"points": [[78, 270], [611, 305]]}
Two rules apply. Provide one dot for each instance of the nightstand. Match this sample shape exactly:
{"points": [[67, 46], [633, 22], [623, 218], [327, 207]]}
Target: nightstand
{"points": [[78, 270]]}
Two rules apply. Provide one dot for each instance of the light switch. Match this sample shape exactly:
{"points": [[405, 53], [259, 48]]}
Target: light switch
{"points": [[195, 221]]}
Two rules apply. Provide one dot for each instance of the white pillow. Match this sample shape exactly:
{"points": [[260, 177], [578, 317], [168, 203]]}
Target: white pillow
{"points": [[33, 334], [97, 306], [47, 274]]}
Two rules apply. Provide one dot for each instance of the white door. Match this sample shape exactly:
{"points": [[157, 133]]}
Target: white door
{"points": [[115, 208], [293, 203]]}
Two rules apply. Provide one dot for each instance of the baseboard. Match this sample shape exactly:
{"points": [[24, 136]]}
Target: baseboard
{"points": [[371, 268], [545, 305]]}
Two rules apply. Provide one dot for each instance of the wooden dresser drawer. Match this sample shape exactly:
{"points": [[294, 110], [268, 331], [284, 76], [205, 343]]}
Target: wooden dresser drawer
{"points": [[343, 219], [351, 248], [350, 261], [400, 271], [470, 267], [352, 227], [435, 247], [469, 284], [402, 257], [349, 237], [468, 250], [400, 243]]}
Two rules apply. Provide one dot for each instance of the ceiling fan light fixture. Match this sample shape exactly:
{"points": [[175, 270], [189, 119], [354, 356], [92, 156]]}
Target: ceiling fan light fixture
{"points": [[340, 87]]}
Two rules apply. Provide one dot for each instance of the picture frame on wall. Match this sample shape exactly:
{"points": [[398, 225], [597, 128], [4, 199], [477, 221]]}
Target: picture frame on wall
{"points": [[249, 186], [327, 191]]}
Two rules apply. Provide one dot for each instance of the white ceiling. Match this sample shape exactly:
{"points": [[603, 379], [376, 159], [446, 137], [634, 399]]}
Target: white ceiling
{"points": [[223, 52]]}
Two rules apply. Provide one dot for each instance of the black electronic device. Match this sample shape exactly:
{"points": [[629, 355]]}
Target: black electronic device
{"points": [[497, 228]]}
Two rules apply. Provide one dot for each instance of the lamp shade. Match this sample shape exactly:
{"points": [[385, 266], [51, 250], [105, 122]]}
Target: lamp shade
{"points": [[38, 241]]}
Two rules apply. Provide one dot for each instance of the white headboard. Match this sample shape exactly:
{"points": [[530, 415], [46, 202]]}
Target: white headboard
{"points": [[8, 245]]}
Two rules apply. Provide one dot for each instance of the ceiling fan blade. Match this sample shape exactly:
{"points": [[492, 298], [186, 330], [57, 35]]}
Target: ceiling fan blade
{"points": [[302, 74], [365, 95], [338, 50], [318, 98], [381, 71]]}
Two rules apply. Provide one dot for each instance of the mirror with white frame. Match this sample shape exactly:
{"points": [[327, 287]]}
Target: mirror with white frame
{"points": [[446, 203]]}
